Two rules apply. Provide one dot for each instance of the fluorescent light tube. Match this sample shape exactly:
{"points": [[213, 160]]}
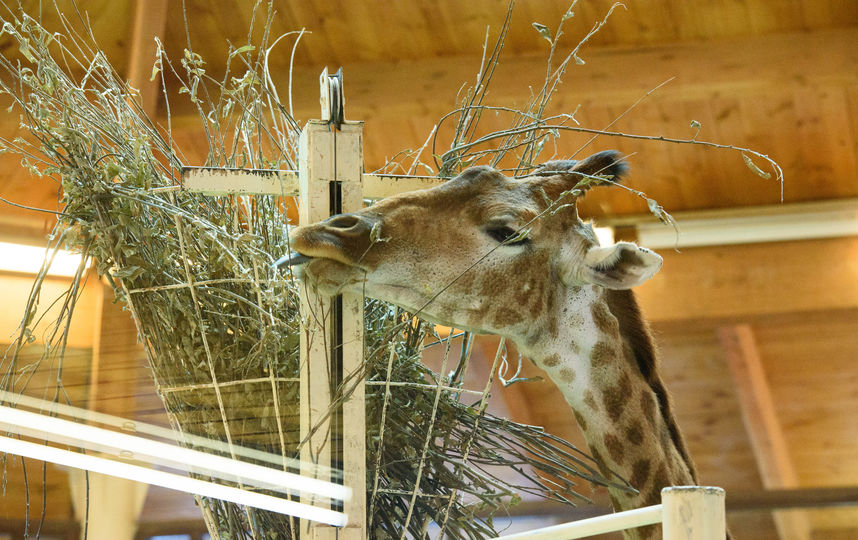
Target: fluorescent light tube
{"points": [[124, 424], [66, 432], [170, 481], [29, 260]]}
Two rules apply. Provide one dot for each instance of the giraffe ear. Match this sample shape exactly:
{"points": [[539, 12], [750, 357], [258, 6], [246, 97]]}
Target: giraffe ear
{"points": [[621, 266]]}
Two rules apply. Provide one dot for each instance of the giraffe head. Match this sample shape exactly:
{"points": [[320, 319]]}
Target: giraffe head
{"points": [[483, 252]]}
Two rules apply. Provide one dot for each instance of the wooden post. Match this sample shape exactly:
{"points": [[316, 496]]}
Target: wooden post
{"points": [[693, 513], [329, 177]]}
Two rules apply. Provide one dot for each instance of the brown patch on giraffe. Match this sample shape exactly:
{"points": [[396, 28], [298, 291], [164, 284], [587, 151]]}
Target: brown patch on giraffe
{"points": [[640, 473], [567, 374], [603, 467], [590, 401], [634, 433], [505, 317], [602, 354], [553, 326], [604, 319], [552, 361], [615, 448], [660, 480], [466, 280], [615, 398], [581, 422], [648, 408]]}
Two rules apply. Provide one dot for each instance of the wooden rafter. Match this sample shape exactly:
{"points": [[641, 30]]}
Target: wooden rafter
{"points": [[761, 422]]}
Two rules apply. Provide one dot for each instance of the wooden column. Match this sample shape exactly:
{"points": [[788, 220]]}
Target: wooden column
{"points": [[330, 167]]}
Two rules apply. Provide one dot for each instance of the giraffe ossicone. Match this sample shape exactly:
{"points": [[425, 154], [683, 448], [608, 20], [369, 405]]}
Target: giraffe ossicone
{"points": [[493, 254]]}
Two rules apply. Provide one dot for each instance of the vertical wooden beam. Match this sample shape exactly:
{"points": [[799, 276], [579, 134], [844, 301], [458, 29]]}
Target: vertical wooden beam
{"points": [[150, 20], [349, 168], [764, 430], [315, 172], [330, 168]]}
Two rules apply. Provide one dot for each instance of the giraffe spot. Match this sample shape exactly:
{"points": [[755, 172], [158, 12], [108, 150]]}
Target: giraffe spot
{"points": [[552, 361], [648, 407], [634, 433], [640, 473], [602, 354], [600, 462], [615, 448], [590, 401], [604, 319], [581, 422], [615, 398], [466, 280], [553, 327], [659, 481], [505, 317], [567, 374]]}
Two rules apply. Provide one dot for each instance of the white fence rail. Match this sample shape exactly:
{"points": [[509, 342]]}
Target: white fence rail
{"points": [[685, 512]]}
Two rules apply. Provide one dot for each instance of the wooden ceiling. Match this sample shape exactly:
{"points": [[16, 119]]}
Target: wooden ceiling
{"points": [[778, 77]]}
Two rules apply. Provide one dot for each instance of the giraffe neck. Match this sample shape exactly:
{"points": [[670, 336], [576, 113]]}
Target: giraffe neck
{"points": [[603, 361]]}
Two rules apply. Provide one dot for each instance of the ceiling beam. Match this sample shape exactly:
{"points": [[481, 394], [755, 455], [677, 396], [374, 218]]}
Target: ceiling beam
{"points": [[762, 425]]}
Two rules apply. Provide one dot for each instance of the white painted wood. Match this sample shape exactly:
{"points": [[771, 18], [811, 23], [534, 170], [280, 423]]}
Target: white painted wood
{"points": [[349, 166], [629, 519], [219, 181], [379, 186], [316, 169], [693, 513]]}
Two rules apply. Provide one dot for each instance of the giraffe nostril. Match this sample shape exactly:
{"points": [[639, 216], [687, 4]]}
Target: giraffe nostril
{"points": [[343, 221]]}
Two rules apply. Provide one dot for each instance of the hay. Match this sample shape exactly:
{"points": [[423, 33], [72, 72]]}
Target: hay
{"points": [[219, 327]]}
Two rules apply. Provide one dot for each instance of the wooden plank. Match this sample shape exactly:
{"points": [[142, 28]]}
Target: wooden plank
{"points": [[349, 166], [762, 424], [221, 181], [316, 168]]}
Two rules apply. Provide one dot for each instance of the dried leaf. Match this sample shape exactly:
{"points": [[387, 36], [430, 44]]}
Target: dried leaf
{"points": [[543, 31], [753, 166]]}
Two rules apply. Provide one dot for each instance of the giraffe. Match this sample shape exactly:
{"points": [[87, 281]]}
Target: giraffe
{"points": [[493, 254]]}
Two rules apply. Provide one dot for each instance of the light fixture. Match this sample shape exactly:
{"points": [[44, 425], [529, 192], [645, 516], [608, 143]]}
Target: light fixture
{"points": [[29, 260], [169, 480], [56, 430]]}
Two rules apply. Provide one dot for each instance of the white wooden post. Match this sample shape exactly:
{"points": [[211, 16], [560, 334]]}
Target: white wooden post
{"points": [[329, 176], [693, 513]]}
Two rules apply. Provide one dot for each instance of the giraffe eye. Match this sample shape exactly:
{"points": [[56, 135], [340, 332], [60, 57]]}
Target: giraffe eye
{"points": [[508, 236]]}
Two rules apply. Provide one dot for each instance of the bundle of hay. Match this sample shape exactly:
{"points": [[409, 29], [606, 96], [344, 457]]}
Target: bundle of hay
{"points": [[219, 327]]}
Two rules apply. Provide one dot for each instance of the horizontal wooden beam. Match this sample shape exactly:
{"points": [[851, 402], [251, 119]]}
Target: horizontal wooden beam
{"points": [[753, 280]]}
